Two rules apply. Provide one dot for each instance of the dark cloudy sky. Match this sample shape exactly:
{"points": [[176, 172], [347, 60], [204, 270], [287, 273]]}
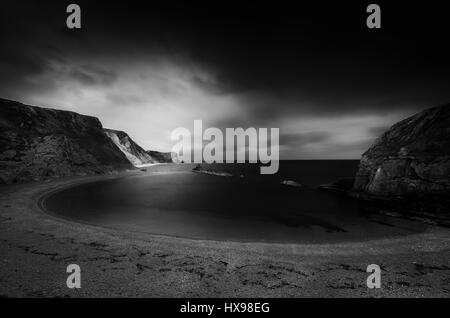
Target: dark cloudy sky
{"points": [[316, 72]]}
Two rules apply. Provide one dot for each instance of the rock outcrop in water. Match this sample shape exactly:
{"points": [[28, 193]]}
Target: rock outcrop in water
{"points": [[39, 143], [410, 160]]}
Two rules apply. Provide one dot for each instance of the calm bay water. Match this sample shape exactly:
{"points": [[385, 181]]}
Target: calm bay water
{"points": [[173, 200]]}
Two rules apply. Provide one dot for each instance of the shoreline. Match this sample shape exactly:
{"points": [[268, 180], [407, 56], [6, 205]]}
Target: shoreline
{"points": [[151, 265]]}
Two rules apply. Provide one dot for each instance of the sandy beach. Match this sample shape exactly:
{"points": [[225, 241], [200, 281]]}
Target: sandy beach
{"points": [[36, 248], [196, 150]]}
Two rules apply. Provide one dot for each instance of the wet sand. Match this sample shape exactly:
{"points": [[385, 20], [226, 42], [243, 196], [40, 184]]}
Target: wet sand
{"points": [[37, 247]]}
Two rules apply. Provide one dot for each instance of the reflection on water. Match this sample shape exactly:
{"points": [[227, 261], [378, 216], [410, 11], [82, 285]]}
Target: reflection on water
{"points": [[245, 207]]}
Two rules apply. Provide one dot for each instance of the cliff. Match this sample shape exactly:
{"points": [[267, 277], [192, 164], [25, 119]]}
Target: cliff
{"points": [[410, 160], [38, 143], [161, 156], [135, 154]]}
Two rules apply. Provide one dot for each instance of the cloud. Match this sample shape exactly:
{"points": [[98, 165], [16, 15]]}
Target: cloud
{"points": [[377, 131], [330, 90], [301, 139], [92, 75]]}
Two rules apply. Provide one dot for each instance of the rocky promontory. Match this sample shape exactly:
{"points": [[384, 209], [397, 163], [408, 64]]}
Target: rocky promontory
{"points": [[135, 153], [161, 156], [40, 143], [411, 160]]}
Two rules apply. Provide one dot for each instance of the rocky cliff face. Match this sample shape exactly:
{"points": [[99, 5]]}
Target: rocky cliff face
{"points": [[135, 154], [38, 143], [161, 156], [411, 159]]}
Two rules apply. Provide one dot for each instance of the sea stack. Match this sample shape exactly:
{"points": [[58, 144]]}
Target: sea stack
{"points": [[410, 160]]}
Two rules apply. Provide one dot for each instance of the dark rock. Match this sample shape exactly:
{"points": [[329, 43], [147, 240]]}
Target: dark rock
{"points": [[161, 156], [39, 143], [410, 160], [339, 186]]}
